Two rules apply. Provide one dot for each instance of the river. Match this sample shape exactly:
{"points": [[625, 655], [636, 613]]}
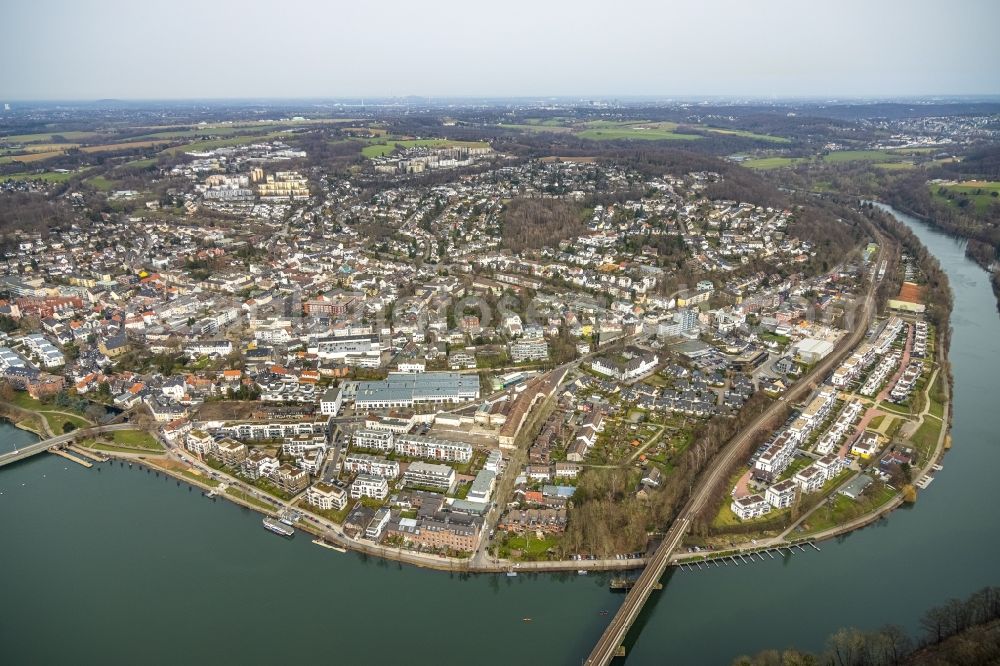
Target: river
{"points": [[118, 566]]}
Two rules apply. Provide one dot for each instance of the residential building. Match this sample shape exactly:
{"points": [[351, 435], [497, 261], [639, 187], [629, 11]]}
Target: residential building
{"points": [[429, 475], [326, 497], [752, 506], [291, 479], [366, 485], [362, 463]]}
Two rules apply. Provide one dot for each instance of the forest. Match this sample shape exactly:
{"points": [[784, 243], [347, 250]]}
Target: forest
{"points": [[531, 224]]}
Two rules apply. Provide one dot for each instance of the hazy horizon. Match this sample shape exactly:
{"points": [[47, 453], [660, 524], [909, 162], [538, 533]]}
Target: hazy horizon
{"points": [[302, 50]]}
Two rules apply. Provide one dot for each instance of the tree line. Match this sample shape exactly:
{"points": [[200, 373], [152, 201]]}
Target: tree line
{"points": [[960, 632]]}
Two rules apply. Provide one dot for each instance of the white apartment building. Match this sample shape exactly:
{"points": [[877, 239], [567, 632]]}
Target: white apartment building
{"points": [[752, 506], [362, 463], [367, 485], [417, 446], [379, 440]]}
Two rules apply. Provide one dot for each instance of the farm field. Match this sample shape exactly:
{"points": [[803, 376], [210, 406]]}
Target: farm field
{"points": [[39, 148], [883, 159], [100, 148], [31, 157], [47, 137], [538, 127], [48, 176], [609, 131], [773, 162], [980, 193], [747, 134]]}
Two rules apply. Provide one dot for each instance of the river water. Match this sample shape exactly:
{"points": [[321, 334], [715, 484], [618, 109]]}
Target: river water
{"points": [[119, 566]]}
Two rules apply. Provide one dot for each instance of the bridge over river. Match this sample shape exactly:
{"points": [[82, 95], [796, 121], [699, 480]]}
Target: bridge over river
{"points": [[46, 444]]}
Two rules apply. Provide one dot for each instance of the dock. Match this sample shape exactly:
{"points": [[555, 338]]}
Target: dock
{"points": [[625, 584], [69, 456], [89, 455], [746, 557]]}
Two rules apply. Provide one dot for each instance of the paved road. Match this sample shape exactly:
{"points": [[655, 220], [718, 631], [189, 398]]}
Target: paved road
{"points": [[614, 635]]}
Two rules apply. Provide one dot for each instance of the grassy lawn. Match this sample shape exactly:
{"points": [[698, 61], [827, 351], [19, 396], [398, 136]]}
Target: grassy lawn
{"points": [[876, 422], [101, 446], [532, 548], [894, 408], [840, 509], [894, 427], [200, 478], [798, 463], [25, 401], [249, 499], [933, 395], [656, 380], [336, 516], [926, 437], [136, 439], [57, 421], [774, 337]]}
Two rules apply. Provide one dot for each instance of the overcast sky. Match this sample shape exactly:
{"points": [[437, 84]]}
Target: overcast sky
{"points": [[135, 49]]}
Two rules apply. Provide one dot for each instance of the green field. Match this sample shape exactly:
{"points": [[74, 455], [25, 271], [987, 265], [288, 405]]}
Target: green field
{"points": [[540, 127], [197, 132], [894, 166], [840, 156], [47, 137], [136, 439], [141, 164], [748, 135], [773, 162], [57, 420], [47, 176], [925, 439], [883, 159], [532, 548], [640, 130], [384, 147], [840, 509], [611, 131], [101, 183], [549, 122], [981, 193]]}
